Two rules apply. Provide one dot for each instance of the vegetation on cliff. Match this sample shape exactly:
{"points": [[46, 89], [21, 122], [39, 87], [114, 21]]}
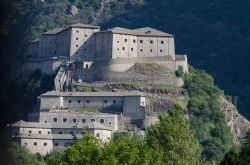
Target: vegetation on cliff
{"points": [[207, 120]]}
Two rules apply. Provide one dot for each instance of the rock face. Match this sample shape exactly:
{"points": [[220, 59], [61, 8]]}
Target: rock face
{"points": [[73, 10], [239, 125]]}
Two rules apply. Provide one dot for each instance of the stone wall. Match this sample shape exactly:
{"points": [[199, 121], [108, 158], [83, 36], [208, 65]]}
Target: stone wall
{"points": [[133, 112], [43, 146]]}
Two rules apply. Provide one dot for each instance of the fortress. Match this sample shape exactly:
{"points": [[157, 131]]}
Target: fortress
{"points": [[82, 52], [115, 49]]}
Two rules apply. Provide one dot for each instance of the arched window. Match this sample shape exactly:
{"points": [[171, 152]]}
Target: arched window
{"points": [[74, 120]]}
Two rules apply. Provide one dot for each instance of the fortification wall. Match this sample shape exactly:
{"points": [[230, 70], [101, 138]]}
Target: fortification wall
{"points": [[43, 146], [133, 108]]}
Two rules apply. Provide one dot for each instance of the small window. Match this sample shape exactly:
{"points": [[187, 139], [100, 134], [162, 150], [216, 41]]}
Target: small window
{"points": [[45, 121], [71, 132], [74, 120], [92, 120], [77, 38], [45, 144], [110, 123], [118, 42], [162, 42], [134, 41], [141, 41], [56, 144], [85, 50], [86, 35], [77, 31], [125, 40], [35, 143], [48, 132], [118, 49], [142, 102], [39, 132], [76, 52], [122, 101], [123, 48], [161, 50], [105, 101], [79, 101], [101, 120], [77, 46], [151, 41], [87, 101], [70, 101], [65, 120], [98, 135], [132, 49], [83, 120], [30, 131], [114, 101], [151, 50], [60, 132], [85, 42], [54, 120], [141, 50]]}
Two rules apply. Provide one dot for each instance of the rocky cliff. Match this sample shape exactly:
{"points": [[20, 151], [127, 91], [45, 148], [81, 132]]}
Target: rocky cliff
{"points": [[239, 124]]}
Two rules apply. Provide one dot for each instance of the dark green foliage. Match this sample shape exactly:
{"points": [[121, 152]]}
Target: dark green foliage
{"points": [[21, 156], [23, 97], [173, 137], [207, 120], [245, 150], [231, 158], [179, 72], [55, 157]]}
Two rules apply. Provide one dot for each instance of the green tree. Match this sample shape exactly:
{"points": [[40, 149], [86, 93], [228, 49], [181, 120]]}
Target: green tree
{"points": [[231, 158], [179, 72], [245, 150], [55, 157], [21, 156], [172, 136]]}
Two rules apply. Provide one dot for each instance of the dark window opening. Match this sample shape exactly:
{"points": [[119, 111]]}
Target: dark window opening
{"points": [[35, 143], [76, 45], [39, 132], [134, 41], [25, 144], [56, 144], [69, 101], [45, 144], [92, 120], [105, 101], [132, 49], [55, 120], [86, 35], [114, 101], [60, 132], [109, 123], [141, 41], [151, 50], [117, 41], [141, 50], [83, 120], [48, 132], [88, 101], [74, 120], [77, 38], [123, 48], [162, 42], [160, 50], [79, 101], [151, 41], [125, 40], [101, 120], [65, 120], [98, 135]]}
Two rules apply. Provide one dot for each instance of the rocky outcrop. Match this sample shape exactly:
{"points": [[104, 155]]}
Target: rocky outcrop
{"points": [[239, 125], [73, 10]]}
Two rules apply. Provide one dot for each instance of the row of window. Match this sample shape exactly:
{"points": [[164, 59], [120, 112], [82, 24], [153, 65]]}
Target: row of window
{"points": [[40, 132], [141, 41], [132, 49], [74, 120], [88, 101]]}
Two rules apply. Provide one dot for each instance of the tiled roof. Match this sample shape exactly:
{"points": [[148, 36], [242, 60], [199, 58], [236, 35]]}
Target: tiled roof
{"points": [[145, 31], [56, 93], [53, 31]]}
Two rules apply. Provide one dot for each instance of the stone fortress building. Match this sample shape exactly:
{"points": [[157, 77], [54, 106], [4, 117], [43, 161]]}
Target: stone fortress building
{"points": [[115, 49], [86, 52]]}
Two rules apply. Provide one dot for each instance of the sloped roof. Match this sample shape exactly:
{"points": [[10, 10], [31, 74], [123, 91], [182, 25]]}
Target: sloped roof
{"points": [[53, 31], [80, 25], [56, 93], [147, 31], [180, 57], [24, 124]]}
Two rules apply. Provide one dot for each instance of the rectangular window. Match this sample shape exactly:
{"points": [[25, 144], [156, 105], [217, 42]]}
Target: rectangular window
{"points": [[35, 143], [132, 49], [45, 144], [162, 42], [151, 41], [141, 41], [161, 50], [134, 41], [123, 48], [54, 120], [151, 50], [125, 40], [141, 50], [65, 120], [77, 38]]}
